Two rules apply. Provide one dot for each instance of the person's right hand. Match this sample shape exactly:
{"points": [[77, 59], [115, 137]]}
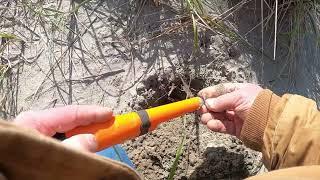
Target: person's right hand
{"points": [[227, 105], [63, 119]]}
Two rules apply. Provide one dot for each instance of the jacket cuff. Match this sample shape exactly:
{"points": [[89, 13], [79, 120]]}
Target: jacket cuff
{"points": [[257, 119]]}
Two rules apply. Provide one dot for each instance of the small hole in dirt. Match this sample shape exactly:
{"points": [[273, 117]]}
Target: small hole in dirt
{"points": [[158, 90], [181, 92]]}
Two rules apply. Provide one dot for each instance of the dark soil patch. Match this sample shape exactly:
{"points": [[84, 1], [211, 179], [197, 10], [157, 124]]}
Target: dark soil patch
{"points": [[159, 89]]}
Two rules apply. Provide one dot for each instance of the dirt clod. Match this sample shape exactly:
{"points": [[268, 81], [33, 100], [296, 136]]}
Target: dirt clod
{"points": [[159, 89]]}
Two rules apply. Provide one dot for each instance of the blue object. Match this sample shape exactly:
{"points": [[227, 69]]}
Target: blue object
{"points": [[116, 153]]}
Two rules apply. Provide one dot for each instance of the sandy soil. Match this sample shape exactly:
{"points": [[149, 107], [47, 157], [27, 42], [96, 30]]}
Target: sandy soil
{"points": [[128, 56]]}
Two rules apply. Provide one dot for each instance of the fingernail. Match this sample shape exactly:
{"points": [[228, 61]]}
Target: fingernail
{"points": [[91, 142], [203, 95], [210, 102]]}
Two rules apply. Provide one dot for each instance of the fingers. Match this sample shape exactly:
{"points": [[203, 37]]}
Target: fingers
{"points": [[222, 126], [218, 90], [224, 102], [212, 116], [220, 122], [216, 125], [217, 122], [63, 119], [84, 142]]}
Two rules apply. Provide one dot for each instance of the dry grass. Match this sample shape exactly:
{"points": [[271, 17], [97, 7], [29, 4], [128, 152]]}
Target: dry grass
{"points": [[290, 23]]}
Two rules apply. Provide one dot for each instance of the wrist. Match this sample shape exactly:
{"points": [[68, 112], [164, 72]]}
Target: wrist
{"points": [[255, 122]]}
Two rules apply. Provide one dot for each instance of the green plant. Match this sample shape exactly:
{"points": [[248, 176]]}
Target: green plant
{"points": [[179, 152], [7, 37], [195, 8], [292, 23], [200, 18]]}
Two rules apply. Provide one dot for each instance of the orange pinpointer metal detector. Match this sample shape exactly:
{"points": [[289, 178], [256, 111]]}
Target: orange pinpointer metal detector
{"points": [[128, 126]]}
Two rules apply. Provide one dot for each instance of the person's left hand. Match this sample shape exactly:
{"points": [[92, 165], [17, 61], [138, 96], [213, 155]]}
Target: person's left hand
{"points": [[62, 119]]}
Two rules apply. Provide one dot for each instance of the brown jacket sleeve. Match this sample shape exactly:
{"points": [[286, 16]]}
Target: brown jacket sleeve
{"points": [[301, 173], [286, 130], [26, 154]]}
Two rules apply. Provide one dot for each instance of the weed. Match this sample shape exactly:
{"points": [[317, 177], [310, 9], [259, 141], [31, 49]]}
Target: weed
{"points": [[179, 152], [8, 36], [195, 8], [292, 23], [200, 18]]}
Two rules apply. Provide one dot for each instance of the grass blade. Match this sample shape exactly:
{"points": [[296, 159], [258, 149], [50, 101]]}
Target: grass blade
{"points": [[179, 152], [275, 31], [8, 36], [195, 33]]}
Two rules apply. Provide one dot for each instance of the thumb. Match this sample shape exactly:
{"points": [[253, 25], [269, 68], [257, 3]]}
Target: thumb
{"points": [[84, 142], [224, 102]]}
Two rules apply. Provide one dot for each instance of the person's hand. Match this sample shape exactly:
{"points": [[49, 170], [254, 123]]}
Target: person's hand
{"points": [[62, 119], [227, 105]]}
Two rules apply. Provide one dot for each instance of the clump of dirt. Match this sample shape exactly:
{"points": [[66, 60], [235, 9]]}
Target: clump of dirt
{"points": [[226, 157], [159, 89]]}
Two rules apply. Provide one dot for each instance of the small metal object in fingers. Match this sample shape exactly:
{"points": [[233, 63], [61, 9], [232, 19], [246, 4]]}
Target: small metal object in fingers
{"points": [[203, 102]]}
